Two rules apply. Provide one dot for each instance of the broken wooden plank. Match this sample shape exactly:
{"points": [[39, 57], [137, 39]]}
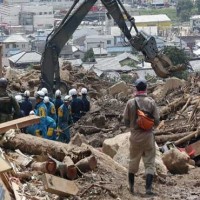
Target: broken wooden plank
{"points": [[59, 186], [19, 123], [6, 192], [4, 165]]}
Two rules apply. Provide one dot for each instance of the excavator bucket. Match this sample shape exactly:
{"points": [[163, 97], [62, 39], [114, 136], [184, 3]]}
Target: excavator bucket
{"points": [[163, 66]]}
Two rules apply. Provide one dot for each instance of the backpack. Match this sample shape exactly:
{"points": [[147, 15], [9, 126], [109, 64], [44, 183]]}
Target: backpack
{"points": [[144, 119]]}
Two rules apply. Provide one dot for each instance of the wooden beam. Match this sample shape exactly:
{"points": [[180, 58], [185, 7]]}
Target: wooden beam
{"points": [[19, 123], [1, 61], [5, 166], [59, 186]]}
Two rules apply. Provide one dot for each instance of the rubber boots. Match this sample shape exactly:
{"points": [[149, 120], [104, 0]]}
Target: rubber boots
{"points": [[149, 181], [131, 179]]}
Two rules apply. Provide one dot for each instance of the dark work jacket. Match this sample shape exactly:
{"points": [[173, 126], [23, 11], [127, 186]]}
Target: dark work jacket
{"points": [[26, 106], [76, 108], [86, 104]]}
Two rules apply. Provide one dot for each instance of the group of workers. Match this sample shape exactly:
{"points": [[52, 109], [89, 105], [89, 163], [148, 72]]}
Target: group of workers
{"points": [[56, 115]]}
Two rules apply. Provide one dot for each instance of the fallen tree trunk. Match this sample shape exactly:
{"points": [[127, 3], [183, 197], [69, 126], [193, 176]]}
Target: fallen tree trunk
{"points": [[71, 168], [46, 167], [173, 130], [35, 146], [164, 138], [187, 137]]}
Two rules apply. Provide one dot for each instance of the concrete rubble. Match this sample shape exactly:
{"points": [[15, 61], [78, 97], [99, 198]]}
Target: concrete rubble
{"points": [[100, 139]]}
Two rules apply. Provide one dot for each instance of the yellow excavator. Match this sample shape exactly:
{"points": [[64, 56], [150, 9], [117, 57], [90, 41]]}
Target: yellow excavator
{"points": [[50, 74]]}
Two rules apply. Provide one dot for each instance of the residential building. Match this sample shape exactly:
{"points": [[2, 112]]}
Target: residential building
{"points": [[101, 41], [14, 44]]}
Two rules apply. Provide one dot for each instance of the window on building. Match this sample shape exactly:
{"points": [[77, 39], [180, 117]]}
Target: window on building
{"points": [[23, 45], [40, 13], [50, 13], [108, 41], [45, 13], [7, 46], [14, 46]]}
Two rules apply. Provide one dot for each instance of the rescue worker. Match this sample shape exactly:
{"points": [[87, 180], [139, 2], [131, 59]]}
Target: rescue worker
{"points": [[142, 142], [26, 104], [34, 128], [58, 100], [51, 111], [19, 100], [76, 106], [64, 120], [86, 103], [46, 93], [9, 108], [41, 110]]}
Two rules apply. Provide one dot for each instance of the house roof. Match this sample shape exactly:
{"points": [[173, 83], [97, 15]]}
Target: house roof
{"points": [[119, 49], [75, 62], [152, 18], [99, 36], [25, 57], [195, 17], [15, 38]]}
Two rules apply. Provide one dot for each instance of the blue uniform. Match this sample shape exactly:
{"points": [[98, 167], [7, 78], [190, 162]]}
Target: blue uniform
{"points": [[76, 108], [64, 120], [51, 126], [51, 111], [41, 110], [58, 102], [26, 106], [33, 129], [86, 104]]}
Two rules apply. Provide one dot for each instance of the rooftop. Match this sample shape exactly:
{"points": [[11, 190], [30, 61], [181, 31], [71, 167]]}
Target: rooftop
{"points": [[15, 38], [152, 18]]}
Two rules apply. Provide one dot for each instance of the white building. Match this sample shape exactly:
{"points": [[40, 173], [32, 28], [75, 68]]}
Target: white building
{"points": [[14, 44], [195, 22], [101, 41], [31, 16]]}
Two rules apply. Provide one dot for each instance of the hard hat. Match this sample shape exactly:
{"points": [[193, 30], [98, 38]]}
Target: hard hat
{"points": [[83, 91], [73, 92], [32, 112], [27, 93], [67, 98], [39, 94], [46, 99], [3, 82], [57, 93], [45, 91], [18, 98], [141, 84]]}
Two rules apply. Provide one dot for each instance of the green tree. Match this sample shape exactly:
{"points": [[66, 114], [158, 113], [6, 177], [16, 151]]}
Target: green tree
{"points": [[89, 56], [197, 4], [183, 9], [177, 56]]}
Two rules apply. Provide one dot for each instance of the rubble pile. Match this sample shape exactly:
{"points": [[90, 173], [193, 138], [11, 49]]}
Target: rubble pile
{"points": [[43, 169]]}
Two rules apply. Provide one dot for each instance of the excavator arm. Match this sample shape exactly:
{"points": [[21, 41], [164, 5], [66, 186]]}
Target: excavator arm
{"points": [[50, 74]]}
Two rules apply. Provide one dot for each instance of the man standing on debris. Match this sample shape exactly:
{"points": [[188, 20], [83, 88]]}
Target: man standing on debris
{"points": [[9, 107], [76, 106], [142, 143], [86, 103], [64, 120], [26, 104]]}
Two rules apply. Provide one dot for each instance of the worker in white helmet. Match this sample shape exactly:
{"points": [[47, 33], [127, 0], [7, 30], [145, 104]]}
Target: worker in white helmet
{"points": [[51, 111], [86, 103], [58, 100], [41, 111], [19, 100], [26, 105], [64, 120], [76, 106]]}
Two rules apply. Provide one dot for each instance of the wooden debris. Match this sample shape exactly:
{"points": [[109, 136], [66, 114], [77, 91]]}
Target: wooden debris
{"points": [[19, 123], [71, 168], [195, 147], [87, 164], [4, 165], [59, 186], [46, 167], [187, 137]]}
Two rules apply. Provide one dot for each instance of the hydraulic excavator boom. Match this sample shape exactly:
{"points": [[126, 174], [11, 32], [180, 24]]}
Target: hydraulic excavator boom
{"points": [[50, 73]]}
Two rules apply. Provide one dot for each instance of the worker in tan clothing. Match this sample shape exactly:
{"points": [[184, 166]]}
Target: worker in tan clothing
{"points": [[142, 143]]}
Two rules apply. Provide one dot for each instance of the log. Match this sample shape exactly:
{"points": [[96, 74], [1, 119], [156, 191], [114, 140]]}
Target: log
{"points": [[71, 168], [87, 164], [173, 106], [173, 130], [164, 138], [188, 137], [19, 123], [46, 167], [36, 146]]}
